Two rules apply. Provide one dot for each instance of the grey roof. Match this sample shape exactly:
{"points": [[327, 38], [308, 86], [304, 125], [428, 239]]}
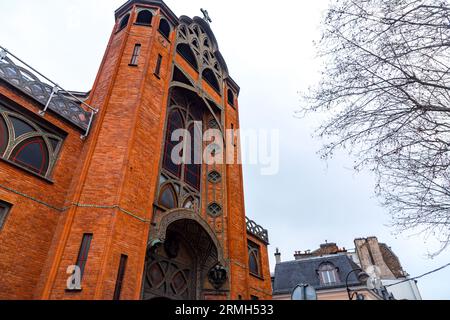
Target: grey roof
{"points": [[288, 275]]}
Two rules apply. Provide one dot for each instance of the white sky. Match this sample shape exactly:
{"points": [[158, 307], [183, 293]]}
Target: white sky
{"points": [[269, 52]]}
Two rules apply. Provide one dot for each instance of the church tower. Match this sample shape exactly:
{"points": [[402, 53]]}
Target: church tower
{"points": [[135, 224]]}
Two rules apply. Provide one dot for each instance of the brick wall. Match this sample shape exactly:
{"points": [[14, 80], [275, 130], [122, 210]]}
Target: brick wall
{"points": [[108, 183], [28, 232]]}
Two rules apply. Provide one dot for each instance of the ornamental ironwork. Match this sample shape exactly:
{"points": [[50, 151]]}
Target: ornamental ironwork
{"points": [[256, 230], [214, 177], [51, 96], [214, 209]]}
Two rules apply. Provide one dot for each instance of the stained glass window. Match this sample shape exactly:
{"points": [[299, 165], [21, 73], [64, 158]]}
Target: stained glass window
{"points": [[20, 127], [174, 122], [32, 154], [253, 259], [167, 198], [27, 143]]}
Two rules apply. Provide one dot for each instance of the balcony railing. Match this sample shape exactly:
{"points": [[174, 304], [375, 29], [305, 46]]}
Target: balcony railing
{"points": [[49, 94], [257, 231]]}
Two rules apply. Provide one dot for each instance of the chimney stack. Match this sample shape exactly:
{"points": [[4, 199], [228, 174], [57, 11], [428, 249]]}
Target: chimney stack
{"points": [[278, 256]]}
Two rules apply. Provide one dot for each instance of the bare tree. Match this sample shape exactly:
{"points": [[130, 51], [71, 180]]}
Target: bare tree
{"points": [[386, 86]]}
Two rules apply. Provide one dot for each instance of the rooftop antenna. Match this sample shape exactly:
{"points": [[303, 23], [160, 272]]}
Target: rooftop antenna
{"points": [[206, 16]]}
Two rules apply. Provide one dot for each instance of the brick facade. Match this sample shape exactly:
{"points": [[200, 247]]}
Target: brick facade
{"points": [[107, 184]]}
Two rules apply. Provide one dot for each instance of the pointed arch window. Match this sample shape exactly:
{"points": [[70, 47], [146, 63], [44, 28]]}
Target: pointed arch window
{"points": [[328, 274], [190, 170], [206, 57], [195, 44], [174, 122], [189, 203], [254, 260], [211, 78], [168, 198], [164, 28], [144, 18]]}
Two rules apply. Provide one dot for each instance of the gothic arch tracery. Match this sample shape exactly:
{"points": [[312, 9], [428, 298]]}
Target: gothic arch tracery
{"points": [[159, 233], [27, 144], [203, 49], [184, 245], [185, 180]]}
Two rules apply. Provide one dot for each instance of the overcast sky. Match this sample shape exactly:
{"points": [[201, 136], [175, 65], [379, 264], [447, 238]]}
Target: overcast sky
{"points": [[269, 52]]}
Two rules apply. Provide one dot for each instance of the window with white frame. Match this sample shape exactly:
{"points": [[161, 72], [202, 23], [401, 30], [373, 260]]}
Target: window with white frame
{"points": [[328, 274]]}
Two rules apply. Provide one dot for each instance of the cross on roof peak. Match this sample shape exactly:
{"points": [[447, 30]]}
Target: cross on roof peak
{"points": [[206, 16]]}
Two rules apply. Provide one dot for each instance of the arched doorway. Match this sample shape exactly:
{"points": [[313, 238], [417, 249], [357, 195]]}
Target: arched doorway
{"points": [[185, 265]]}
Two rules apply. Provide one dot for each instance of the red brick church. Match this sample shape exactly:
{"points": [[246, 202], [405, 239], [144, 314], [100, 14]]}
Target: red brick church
{"points": [[92, 206]]}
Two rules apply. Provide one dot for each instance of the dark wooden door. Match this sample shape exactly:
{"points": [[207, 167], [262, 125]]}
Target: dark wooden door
{"points": [[171, 272]]}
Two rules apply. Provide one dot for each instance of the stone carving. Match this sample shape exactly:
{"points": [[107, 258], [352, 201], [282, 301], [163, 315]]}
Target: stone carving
{"points": [[217, 276]]}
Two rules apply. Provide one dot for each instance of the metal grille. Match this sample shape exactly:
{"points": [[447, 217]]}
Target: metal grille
{"points": [[214, 209], [214, 177]]}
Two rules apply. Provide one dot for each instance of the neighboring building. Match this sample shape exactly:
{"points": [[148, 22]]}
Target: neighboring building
{"points": [[112, 202], [327, 268], [326, 274], [369, 252]]}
